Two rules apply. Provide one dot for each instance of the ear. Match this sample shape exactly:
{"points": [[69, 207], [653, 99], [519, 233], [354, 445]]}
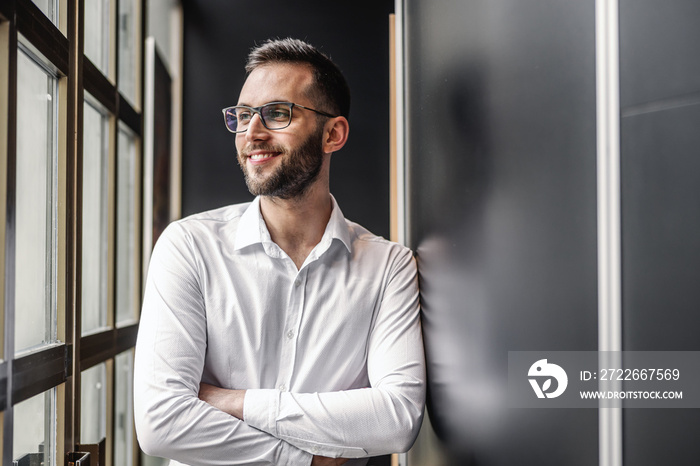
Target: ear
{"points": [[335, 134]]}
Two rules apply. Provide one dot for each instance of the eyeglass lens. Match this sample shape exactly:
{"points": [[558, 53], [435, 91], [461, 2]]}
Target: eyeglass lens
{"points": [[274, 116]]}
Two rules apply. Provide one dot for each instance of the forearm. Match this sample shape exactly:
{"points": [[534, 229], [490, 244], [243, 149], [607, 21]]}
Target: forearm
{"points": [[227, 400], [351, 424], [193, 433], [173, 423], [231, 402]]}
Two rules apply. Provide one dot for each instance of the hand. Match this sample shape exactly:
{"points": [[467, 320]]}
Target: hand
{"points": [[228, 401], [325, 461]]}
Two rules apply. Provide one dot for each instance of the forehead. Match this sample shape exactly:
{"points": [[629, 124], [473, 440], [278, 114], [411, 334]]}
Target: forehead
{"points": [[276, 82]]}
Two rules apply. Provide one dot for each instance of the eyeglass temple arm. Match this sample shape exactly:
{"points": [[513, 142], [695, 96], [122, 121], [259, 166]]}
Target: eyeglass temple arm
{"points": [[317, 111]]}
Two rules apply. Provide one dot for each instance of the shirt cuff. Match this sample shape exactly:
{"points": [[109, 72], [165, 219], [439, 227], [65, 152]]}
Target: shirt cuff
{"points": [[260, 408]]}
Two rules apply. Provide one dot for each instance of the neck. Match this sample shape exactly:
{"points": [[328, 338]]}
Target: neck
{"points": [[297, 225]]}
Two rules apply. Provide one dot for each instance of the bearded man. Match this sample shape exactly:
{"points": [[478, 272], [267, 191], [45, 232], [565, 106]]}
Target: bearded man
{"points": [[277, 332]]}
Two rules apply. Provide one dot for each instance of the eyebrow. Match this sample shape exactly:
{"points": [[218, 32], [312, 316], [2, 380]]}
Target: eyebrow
{"points": [[268, 102]]}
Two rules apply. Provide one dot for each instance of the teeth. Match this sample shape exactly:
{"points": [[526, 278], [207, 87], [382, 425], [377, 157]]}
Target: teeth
{"points": [[261, 156]]}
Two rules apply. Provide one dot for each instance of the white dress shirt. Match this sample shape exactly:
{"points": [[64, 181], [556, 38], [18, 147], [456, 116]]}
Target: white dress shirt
{"points": [[331, 354]]}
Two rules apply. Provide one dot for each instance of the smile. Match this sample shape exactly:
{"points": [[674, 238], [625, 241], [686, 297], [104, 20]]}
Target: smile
{"points": [[262, 156]]}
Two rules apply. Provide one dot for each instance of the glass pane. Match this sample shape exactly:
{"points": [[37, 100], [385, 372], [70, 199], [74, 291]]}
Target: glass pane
{"points": [[153, 460], [93, 404], [95, 170], [128, 48], [127, 266], [158, 15], [97, 33], [35, 236], [34, 428], [49, 8], [123, 409]]}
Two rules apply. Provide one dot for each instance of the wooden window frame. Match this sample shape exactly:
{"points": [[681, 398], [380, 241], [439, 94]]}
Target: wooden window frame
{"points": [[60, 365]]}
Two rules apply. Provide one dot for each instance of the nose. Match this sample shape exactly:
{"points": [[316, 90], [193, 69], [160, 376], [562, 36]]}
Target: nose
{"points": [[256, 130]]}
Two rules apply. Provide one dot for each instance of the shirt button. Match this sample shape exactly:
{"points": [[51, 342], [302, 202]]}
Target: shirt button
{"points": [[282, 388], [315, 450], [297, 282], [290, 334]]}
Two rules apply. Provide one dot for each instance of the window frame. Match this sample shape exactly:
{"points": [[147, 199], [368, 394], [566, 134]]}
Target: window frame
{"points": [[60, 365]]}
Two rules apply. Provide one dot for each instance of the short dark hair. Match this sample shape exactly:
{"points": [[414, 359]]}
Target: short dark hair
{"points": [[331, 91]]}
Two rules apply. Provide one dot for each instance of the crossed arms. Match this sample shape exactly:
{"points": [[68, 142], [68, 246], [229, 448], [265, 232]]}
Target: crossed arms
{"points": [[232, 402], [179, 417]]}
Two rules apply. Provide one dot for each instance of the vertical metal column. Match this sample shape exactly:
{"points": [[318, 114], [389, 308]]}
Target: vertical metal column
{"points": [[400, 112], [8, 137], [609, 242], [400, 54]]}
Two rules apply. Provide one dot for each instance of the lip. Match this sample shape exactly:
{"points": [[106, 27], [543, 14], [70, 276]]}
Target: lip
{"points": [[260, 157]]}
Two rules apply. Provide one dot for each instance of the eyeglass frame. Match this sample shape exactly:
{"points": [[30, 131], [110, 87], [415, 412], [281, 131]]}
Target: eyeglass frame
{"points": [[258, 111]]}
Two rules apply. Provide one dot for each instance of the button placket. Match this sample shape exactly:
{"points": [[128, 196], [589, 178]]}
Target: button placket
{"points": [[292, 322]]}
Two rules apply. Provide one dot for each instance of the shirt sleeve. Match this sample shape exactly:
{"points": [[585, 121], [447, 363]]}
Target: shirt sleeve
{"points": [[171, 421], [384, 418]]}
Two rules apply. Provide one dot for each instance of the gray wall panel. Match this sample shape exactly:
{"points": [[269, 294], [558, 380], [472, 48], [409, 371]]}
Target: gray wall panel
{"points": [[502, 176], [661, 436], [659, 51], [660, 89], [660, 222], [661, 251]]}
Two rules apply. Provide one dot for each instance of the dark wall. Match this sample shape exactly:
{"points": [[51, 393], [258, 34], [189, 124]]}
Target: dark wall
{"points": [[218, 37], [502, 150], [660, 141]]}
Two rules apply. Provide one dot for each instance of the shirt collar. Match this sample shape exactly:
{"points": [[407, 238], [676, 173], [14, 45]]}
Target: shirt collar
{"points": [[338, 227], [252, 228]]}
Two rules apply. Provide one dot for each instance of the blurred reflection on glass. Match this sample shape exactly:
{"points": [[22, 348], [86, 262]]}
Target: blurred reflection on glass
{"points": [[123, 410], [93, 408], [128, 49], [97, 33]]}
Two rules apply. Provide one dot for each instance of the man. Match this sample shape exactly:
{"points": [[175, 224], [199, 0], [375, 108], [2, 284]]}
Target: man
{"points": [[278, 332]]}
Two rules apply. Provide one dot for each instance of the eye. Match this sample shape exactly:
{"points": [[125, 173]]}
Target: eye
{"points": [[243, 115], [279, 113]]}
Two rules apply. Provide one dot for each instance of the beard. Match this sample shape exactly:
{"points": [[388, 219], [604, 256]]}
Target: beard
{"points": [[295, 174]]}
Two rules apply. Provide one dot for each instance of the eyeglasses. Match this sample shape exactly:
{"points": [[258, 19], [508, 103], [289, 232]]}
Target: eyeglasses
{"points": [[274, 115]]}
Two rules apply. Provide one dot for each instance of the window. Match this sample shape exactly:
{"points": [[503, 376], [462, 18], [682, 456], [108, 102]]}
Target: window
{"points": [[35, 418], [129, 50], [70, 227], [35, 201], [95, 239], [123, 409], [97, 33], [49, 8], [127, 298], [93, 404]]}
